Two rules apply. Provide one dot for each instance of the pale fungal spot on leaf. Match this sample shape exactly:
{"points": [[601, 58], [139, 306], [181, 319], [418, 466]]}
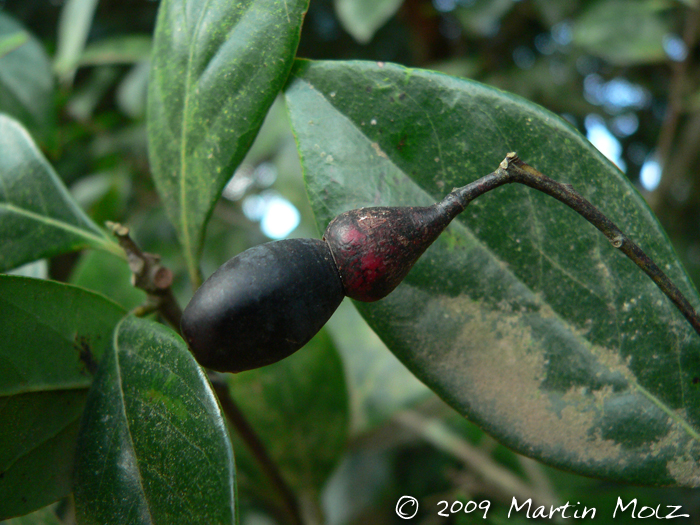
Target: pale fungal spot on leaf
{"points": [[508, 370], [378, 150], [373, 122]]}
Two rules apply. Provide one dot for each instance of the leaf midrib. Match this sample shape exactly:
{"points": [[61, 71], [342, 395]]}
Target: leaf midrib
{"points": [[694, 434]]}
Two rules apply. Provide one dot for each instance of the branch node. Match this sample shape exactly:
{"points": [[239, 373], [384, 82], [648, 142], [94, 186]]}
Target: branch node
{"points": [[150, 276]]}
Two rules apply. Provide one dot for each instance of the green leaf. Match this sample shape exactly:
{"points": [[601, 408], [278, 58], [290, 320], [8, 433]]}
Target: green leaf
{"points": [[45, 516], [10, 42], [38, 217], [299, 409], [216, 69], [521, 316], [124, 49], [153, 447], [92, 270], [26, 81], [73, 29], [362, 18], [52, 336], [482, 18], [624, 32], [379, 385]]}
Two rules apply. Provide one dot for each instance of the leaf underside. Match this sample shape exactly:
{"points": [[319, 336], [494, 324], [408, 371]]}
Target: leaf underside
{"points": [[521, 316]]}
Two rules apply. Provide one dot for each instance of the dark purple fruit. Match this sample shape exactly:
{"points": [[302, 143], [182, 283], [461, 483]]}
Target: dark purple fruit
{"points": [[262, 305], [269, 301]]}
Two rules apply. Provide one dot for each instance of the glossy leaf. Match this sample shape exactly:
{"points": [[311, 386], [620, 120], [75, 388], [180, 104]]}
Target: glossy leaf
{"points": [[153, 447], [38, 217], [521, 316], [299, 408], [362, 18], [26, 81], [217, 67], [52, 337], [624, 32]]}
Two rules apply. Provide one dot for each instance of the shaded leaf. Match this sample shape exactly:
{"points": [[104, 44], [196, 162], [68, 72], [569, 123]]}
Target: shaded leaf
{"points": [[52, 337], [217, 67], [153, 447], [623, 32], [521, 316], [45, 516], [362, 18], [91, 272], [26, 81], [299, 408], [38, 217], [378, 384]]}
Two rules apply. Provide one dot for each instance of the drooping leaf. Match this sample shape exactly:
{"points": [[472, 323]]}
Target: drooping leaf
{"points": [[624, 32], [52, 337], [153, 447], [38, 217], [217, 67], [26, 81], [362, 18], [299, 409], [521, 316]]}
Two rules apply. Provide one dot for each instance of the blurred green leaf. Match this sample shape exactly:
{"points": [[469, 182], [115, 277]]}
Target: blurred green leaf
{"points": [[123, 49], [299, 409], [26, 81], [74, 26], [482, 17], [217, 67], [52, 337], [624, 32], [362, 18], [109, 275], [10, 42], [133, 89], [521, 316], [378, 384], [38, 217], [45, 516], [153, 447]]}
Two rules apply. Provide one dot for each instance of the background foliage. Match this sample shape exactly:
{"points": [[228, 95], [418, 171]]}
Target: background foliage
{"points": [[624, 72]]}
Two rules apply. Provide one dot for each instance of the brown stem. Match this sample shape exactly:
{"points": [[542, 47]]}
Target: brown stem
{"points": [[512, 169], [150, 276], [253, 442]]}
